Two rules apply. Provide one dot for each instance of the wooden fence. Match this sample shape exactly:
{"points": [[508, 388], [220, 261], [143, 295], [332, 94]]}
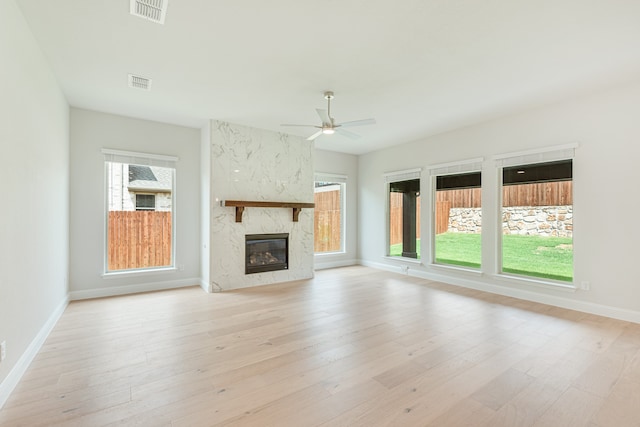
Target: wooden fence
{"points": [[538, 194], [327, 221], [138, 239], [442, 216], [395, 218], [327, 211], [465, 198]]}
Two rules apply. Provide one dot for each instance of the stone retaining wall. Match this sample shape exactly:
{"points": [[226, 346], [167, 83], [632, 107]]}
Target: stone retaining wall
{"points": [[524, 220], [465, 220]]}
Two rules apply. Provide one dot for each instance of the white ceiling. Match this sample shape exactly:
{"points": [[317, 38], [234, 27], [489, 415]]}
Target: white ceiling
{"points": [[419, 67]]}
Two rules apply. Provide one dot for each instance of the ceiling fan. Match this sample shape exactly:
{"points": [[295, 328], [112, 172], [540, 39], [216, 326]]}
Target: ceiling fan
{"points": [[329, 126]]}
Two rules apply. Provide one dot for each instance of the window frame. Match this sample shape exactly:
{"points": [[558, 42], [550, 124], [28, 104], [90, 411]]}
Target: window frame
{"points": [[389, 178], [462, 167], [524, 158], [142, 159], [145, 208], [340, 180]]}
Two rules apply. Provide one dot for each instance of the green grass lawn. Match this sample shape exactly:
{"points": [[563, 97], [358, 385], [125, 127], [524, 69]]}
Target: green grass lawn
{"points": [[458, 249], [544, 257]]}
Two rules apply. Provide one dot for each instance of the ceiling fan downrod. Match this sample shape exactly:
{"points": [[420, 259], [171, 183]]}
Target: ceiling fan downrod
{"points": [[328, 95]]}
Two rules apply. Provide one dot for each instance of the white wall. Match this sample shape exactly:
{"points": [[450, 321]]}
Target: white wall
{"points": [[607, 128], [258, 165], [34, 214], [341, 164], [90, 132], [205, 205]]}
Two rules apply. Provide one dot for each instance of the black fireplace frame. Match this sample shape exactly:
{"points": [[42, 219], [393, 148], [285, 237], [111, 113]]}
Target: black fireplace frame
{"points": [[266, 267]]}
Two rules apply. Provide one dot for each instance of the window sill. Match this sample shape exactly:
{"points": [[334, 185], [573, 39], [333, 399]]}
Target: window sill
{"points": [[404, 259], [456, 268], [321, 254], [547, 284], [141, 272]]}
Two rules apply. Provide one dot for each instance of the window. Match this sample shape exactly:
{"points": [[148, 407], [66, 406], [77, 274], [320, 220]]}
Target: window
{"points": [[145, 202], [458, 220], [537, 219], [404, 213], [140, 193], [329, 199]]}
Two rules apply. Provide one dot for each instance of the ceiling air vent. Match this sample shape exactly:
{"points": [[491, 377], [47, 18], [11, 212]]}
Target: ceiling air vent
{"points": [[153, 10], [139, 82]]}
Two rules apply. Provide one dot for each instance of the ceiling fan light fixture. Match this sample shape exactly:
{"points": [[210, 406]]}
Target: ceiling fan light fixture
{"points": [[328, 131]]}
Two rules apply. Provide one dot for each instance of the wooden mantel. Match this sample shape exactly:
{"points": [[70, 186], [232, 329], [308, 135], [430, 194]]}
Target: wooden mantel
{"points": [[241, 204]]}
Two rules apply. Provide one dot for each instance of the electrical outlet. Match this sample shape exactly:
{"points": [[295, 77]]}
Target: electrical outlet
{"points": [[3, 350], [585, 286]]}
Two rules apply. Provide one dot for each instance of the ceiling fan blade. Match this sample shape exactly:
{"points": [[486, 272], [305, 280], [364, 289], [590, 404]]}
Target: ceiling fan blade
{"points": [[359, 122], [306, 126], [324, 116], [314, 136], [348, 134]]}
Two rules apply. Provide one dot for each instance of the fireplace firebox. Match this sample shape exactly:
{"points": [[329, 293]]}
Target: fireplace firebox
{"points": [[266, 252]]}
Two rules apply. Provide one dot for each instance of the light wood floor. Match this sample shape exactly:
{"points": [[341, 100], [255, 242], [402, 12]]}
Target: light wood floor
{"points": [[353, 347]]}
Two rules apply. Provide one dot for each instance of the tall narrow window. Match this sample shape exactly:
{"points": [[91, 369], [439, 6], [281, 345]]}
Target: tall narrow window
{"points": [[404, 214], [329, 199], [458, 219], [140, 198], [537, 220]]}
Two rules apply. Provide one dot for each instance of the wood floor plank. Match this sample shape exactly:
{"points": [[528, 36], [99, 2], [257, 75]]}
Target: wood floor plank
{"points": [[351, 347], [501, 389], [526, 407], [574, 408], [467, 412], [622, 408]]}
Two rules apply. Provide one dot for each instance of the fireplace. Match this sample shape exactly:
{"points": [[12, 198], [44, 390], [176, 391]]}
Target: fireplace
{"points": [[266, 252]]}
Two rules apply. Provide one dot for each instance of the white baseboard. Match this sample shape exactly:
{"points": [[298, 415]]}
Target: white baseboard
{"points": [[16, 373], [542, 298], [206, 286], [333, 264], [134, 289]]}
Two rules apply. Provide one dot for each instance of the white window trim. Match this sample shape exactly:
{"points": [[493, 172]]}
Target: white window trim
{"points": [[138, 272], [402, 259], [537, 281], [403, 175], [444, 169], [538, 155], [330, 177], [527, 157], [136, 158], [397, 176], [145, 159], [455, 168]]}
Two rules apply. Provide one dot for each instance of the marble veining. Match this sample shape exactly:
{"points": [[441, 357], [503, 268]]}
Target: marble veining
{"points": [[255, 164]]}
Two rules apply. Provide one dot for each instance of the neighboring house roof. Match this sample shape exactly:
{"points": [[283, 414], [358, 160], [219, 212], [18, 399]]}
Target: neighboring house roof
{"points": [[149, 178]]}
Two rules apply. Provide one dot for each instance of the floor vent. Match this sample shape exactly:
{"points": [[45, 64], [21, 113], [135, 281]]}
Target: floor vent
{"points": [[153, 10], [139, 82]]}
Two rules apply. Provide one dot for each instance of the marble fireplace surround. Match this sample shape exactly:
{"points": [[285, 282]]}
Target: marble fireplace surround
{"points": [[262, 168]]}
